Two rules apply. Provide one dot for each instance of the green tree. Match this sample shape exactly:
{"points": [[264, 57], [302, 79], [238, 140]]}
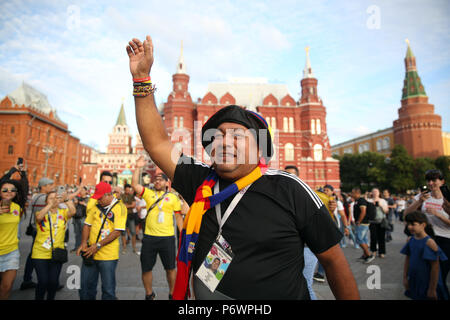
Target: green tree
{"points": [[400, 170], [364, 170], [443, 163], [421, 165]]}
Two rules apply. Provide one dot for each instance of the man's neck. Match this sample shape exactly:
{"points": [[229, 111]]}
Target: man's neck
{"points": [[237, 174]]}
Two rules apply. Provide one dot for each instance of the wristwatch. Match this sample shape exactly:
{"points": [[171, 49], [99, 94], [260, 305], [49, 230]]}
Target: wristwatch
{"points": [[98, 246]]}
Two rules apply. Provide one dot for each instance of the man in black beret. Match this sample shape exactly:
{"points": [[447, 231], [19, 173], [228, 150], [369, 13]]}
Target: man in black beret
{"points": [[272, 219]]}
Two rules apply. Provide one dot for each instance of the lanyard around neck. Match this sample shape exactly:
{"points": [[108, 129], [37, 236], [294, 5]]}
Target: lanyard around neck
{"points": [[221, 220]]}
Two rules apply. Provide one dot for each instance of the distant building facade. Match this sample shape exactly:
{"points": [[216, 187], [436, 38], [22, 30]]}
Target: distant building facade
{"points": [[120, 156], [31, 129], [299, 126], [417, 128]]}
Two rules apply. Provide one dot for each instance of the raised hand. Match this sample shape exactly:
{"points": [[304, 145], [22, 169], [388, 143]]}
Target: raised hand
{"points": [[140, 162], [141, 57]]}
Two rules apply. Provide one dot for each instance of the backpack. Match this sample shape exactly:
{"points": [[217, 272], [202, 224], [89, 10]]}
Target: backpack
{"points": [[374, 213]]}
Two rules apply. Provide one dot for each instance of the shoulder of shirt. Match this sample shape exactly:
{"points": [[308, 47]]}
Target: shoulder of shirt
{"points": [[148, 191], [192, 161], [296, 181], [120, 203]]}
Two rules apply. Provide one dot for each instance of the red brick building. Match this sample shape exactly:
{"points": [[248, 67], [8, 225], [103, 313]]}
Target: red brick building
{"points": [[300, 131], [30, 128]]}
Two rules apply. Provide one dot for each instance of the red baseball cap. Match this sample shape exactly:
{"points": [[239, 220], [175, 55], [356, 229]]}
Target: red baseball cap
{"points": [[101, 189]]}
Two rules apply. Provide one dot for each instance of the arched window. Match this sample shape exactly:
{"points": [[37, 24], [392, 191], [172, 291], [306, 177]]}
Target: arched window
{"points": [[291, 124], [10, 149], [318, 152], [181, 122], [285, 124], [318, 129], [313, 126], [274, 123], [175, 122], [386, 143], [379, 145], [363, 147], [289, 152]]}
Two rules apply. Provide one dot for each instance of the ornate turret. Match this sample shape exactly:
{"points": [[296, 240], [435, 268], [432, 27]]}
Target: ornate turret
{"points": [[417, 128], [412, 86], [121, 120]]}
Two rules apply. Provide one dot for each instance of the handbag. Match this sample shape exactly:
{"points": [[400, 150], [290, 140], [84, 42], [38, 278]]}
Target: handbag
{"points": [[379, 216], [89, 261], [385, 224], [59, 255]]}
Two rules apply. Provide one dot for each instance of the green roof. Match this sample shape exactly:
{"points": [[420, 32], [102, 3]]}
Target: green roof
{"points": [[412, 85], [409, 53], [121, 120]]}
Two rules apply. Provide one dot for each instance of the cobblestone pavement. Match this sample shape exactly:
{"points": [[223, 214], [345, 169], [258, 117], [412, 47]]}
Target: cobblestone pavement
{"points": [[379, 280]]}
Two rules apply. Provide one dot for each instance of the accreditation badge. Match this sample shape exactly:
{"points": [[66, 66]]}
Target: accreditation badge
{"points": [[215, 264]]}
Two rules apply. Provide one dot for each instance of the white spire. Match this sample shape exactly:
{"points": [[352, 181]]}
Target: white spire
{"points": [[307, 72], [181, 67]]}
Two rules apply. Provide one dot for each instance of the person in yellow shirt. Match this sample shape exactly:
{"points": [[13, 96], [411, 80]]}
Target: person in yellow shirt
{"points": [[50, 219], [10, 214], [105, 176], [103, 225], [159, 231]]}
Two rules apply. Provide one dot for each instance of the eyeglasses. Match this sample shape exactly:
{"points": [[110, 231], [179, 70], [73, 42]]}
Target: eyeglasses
{"points": [[9, 190]]}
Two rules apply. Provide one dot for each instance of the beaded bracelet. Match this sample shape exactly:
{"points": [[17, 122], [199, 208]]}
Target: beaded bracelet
{"points": [[140, 84], [143, 91]]}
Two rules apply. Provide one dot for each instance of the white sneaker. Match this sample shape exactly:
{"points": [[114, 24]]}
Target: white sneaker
{"points": [[369, 259]]}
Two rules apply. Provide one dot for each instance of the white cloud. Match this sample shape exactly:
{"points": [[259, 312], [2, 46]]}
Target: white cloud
{"points": [[84, 70]]}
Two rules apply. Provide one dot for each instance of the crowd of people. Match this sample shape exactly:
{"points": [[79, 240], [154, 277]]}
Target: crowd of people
{"points": [[133, 212], [49, 209], [265, 228]]}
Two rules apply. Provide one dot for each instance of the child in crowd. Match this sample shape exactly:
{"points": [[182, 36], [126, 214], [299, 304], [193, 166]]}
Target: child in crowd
{"points": [[421, 276]]}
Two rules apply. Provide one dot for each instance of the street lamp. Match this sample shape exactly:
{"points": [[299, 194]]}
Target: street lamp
{"points": [[47, 151]]}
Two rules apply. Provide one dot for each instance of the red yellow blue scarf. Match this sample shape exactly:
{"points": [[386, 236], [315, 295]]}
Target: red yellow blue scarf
{"points": [[204, 200]]}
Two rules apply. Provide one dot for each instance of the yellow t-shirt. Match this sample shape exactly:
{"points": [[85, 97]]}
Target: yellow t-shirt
{"points": [[325, 199], [156, 225], [9, 229], [42, 248], [91, 203], [116, 220]]}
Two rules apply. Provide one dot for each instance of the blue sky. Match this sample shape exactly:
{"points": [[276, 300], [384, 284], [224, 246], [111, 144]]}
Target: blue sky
{"points": [[74, 52]]}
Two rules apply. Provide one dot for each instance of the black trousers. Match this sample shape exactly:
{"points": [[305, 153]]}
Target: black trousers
{"points": [[48, 278], [377, 238]]}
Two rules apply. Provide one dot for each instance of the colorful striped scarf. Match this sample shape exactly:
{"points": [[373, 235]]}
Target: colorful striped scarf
{"points": [[204, 200]]}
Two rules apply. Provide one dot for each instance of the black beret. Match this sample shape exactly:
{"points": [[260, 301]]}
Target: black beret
{"points": [[246, 118]]}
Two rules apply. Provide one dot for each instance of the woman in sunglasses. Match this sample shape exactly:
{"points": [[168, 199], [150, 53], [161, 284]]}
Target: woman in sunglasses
{"points": [[50, 219], [10, 214], [430, 201]]}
